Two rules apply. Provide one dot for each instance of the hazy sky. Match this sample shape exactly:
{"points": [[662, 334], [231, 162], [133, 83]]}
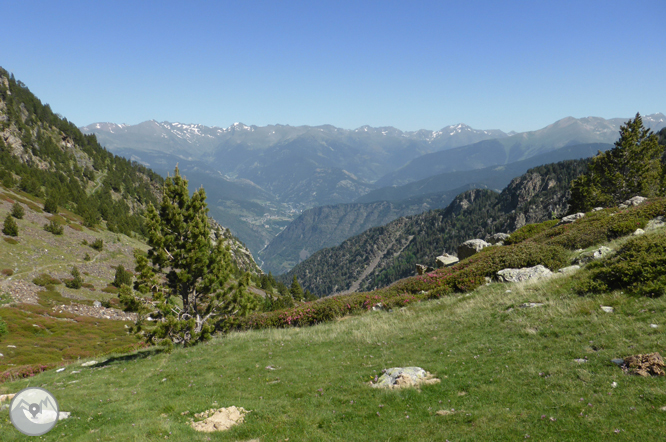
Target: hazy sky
{"points": [[510, 65]]}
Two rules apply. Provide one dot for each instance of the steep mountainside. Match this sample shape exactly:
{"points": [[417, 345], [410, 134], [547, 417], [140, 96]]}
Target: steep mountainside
{"points": [[45, 156], [382, 255], [566, 132], [328, 226]]}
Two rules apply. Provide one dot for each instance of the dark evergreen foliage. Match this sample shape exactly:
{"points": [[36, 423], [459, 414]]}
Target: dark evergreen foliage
{"points": [[633, 167], [10, 228], [18, 211], [122, 277], [70, 184]]}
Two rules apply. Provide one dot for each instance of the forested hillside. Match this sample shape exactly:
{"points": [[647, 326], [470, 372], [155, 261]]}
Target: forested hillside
{"points": [[47, 156], [328, 226], [385, 254]]}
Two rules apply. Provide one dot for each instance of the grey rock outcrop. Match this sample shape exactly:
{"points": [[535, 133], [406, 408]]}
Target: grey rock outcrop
{"points": [[401, 377], [497, 238], [599, 253], [524, 274], [469, 248], [569, 269], [655, 223], [571, 218], [635, 201], [446, 260], [423, 269]]}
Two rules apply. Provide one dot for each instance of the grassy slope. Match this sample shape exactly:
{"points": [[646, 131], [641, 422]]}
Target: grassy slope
{"points": [[505, 370], [42, 336]]}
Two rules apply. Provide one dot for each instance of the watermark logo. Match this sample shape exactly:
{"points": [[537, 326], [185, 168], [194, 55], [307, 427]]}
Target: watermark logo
{"points": [[34, 411]]}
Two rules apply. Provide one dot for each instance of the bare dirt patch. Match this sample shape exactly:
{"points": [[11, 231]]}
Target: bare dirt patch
{"points": [[219, 419]]}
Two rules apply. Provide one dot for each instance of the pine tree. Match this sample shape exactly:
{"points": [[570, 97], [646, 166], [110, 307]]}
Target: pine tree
{"points": [[194, 291], [122, 277], [18, 211], [295, 290], [10, 228], [633, 167]]}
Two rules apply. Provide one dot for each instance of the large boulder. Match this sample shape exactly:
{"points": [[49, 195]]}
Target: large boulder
{"points": [[446, 260], [655, 223], [524, 274], [635, 201], [571, 218], [423, 269], [497, 238], [469, 248], [401, 377]]}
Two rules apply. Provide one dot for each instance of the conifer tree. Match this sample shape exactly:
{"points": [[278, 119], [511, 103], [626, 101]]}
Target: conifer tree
{"points": [[633, 167], [10, 228], [185, 271], [18, 211], [295, 290]]}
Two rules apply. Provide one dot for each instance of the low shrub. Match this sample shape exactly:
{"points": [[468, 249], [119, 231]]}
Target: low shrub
{"points": [[45, 279], [4, 330], [27, 371], [637, 267], [98, 244], [601, 226], [76, 282], [7, 272], [54, 227], [10, 240], [529, 231]]}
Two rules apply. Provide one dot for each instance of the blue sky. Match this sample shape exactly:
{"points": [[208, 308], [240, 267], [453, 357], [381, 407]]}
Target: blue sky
{"points": [[510, 65]]}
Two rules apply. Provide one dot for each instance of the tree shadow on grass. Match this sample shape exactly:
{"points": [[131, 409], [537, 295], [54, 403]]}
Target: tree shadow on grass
{"points": [[141, 354]]}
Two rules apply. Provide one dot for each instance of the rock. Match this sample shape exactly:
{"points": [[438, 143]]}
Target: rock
{"points": [[403, 377], [443, 412], [60, 370], [469, 248], [607, 309], [88, 364], [651, 364], [639, 232], [571, 218], [1, 355], [220, 419], [497, 238], [524, 274], [446, 260], [378, 307], [635, 201], [63, 415], [655, 223], [97, 304], [596, 209], [531, 304], [654, 326], [619, 362], [422, 270], [11, 346], [580, 361], [569, 269], [586, 257], [7, 397]]}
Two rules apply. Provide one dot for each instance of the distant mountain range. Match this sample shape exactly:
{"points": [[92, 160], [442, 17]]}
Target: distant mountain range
{"points": [[259, 179]]}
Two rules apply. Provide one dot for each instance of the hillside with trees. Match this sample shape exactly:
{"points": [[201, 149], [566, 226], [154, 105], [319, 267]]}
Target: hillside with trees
{"points": [[381, 256]]}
